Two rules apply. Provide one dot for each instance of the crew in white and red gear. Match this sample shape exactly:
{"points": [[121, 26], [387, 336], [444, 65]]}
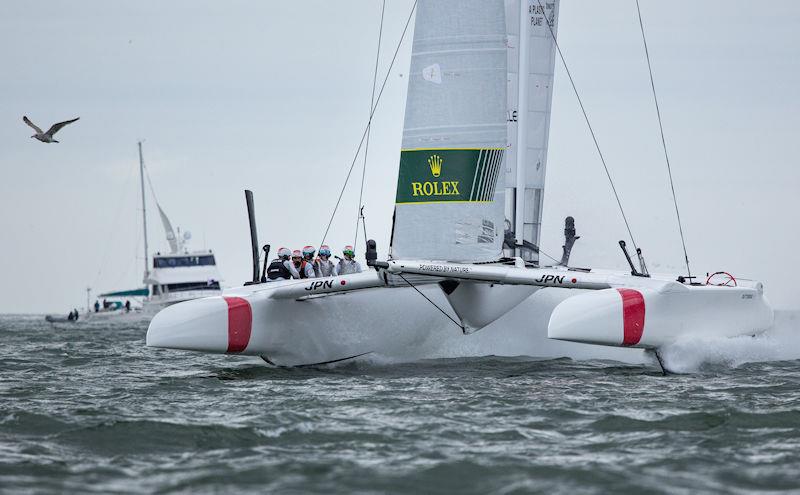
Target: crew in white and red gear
{"points": [[282, 268], [323, 264], [348, 264], [304, 269], [308, 257]]}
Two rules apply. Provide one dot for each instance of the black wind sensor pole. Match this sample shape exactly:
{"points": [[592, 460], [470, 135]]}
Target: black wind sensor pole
{"points": [[251, 215]]}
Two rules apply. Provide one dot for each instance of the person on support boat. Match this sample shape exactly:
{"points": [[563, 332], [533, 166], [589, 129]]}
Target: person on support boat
{"points": [[282, 268], [304, 269], [348, 264], [308, 258], [323, 264]]}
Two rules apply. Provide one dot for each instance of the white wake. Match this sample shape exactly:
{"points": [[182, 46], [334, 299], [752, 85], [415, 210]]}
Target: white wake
{"points": [[780, 343]]}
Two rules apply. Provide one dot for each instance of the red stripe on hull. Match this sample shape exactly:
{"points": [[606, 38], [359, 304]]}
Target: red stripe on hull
{"points": [[632, 316], [240, 323]]}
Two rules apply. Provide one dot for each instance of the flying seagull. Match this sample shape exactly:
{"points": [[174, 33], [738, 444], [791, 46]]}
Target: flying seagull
{"points": [[47, 137]]}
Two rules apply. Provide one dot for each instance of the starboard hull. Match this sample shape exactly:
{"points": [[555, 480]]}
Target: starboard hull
{"points": [[622, 310], [654, 318]]}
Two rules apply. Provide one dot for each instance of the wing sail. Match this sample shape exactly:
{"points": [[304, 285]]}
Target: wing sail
{"points": [[448, 205], [531, 65]]}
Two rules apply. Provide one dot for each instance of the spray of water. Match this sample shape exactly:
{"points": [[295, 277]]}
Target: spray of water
{"points": [[522, 333], [780, 343]]}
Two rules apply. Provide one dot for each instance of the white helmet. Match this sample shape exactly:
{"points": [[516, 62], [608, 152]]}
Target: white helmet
{"points": [[297, 253], [284, 253]]}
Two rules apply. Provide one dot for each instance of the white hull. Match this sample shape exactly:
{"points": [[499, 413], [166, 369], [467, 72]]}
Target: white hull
{"points": [[138, 315], [300, 322], [620, 309], [384, 323]]}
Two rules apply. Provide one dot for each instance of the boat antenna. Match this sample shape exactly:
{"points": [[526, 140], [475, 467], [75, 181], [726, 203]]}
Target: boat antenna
{"points": [[251, 216], [366, 129], [663, 140], [144, 207], [569, 240], [360, 214], [266, 249], [588, 124]]}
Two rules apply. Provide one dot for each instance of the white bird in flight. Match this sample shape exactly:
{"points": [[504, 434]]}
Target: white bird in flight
{"points": [[47, 137]]}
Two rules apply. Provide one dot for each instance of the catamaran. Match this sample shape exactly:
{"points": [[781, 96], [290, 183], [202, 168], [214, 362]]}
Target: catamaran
{"points": [[175, 276], [466, 226]]}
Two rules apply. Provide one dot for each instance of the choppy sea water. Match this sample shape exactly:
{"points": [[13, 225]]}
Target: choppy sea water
{"points": [[87, 408]]}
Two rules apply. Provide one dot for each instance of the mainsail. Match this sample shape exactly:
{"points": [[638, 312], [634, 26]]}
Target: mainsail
{"points": [[448, 204], [531, 62]]}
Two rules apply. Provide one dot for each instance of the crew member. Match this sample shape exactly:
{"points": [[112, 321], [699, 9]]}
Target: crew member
{"points": [[304, 269], [97, 306], [308, 258], [128, 306], [323, 264], [281, 268], [348, 264]]}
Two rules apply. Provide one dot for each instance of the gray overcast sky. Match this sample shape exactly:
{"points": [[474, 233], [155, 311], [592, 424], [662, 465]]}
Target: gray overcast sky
{"points": [[274, 96]]}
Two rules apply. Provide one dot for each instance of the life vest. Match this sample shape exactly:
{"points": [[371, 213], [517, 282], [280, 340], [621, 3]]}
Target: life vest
{"points": [[347, 266], [277, 270], [325, 268], [302, 269]]}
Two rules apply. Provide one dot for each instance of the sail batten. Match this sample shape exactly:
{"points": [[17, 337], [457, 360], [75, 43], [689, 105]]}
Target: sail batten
{"points": [[448, 206]]}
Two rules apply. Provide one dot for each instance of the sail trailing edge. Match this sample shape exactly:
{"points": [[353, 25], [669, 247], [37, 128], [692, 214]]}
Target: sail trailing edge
{"points": [[528, 127], [448, 203]]}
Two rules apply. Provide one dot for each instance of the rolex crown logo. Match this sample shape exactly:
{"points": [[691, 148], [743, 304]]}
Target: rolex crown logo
{"points": [[435, 162]]}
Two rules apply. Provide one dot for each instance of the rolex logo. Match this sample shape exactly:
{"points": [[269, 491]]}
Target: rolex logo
{"points": [[435, 162]]}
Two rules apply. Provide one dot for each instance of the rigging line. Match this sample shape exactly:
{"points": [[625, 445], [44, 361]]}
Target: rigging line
{"points": [[360, 213], [112, 238], [134, 261], [152, 189], [459, 325], [663, 139], [364, 225], [589, 125], [374, 108], [542, 252]]}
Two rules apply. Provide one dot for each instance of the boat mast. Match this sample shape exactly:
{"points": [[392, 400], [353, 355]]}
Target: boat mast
{"points": [[522, 123], [144, 208]]}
